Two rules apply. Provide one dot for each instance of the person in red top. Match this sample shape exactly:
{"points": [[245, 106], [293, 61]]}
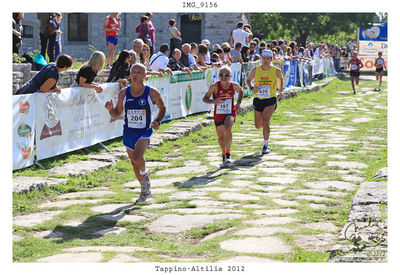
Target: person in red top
{"points": [[223, 92], [112, 25], [355, 66]]}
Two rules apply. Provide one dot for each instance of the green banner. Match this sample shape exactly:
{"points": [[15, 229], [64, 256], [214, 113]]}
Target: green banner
{"points": [[183, 77]]}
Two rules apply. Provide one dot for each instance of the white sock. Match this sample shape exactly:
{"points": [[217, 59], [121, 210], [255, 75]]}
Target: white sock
{"points": [[142, 173], [266, 142]]}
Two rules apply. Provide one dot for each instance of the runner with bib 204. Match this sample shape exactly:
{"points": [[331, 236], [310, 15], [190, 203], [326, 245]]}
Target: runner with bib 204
{"points": [[268, 80]]}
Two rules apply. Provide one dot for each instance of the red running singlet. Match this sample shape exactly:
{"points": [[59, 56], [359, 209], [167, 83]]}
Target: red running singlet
{"points": [[226, 107]]}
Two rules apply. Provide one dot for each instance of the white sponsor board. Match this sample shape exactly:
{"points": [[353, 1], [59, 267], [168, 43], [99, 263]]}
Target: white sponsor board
{"points": [[371, 48], [23, 130], [74, 119]]}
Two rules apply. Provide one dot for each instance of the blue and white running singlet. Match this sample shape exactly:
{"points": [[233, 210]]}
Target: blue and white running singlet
{"points": [[138, 112]]}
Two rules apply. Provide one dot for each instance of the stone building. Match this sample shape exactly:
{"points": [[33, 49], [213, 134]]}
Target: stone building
{"points": [[82, 31]]}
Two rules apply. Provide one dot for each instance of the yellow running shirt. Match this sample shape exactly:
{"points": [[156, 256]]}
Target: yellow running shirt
{"points": [[266, 81]]}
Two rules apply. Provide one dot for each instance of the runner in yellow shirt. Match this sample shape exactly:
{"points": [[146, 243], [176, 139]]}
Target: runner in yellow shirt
{"points": [[268, 80]]}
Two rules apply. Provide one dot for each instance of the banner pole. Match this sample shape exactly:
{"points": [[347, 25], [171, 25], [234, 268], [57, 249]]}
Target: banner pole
{"points": [[102, 145]]}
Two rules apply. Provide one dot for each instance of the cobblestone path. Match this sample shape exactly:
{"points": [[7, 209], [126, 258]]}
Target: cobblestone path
{"points": [[287, 206]]}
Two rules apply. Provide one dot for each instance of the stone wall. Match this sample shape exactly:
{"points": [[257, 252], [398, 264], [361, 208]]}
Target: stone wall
{"points": [[216, 27]]}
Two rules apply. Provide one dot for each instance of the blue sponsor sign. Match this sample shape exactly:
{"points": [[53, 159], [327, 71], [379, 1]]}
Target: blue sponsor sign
{"points": [[374, 33]]}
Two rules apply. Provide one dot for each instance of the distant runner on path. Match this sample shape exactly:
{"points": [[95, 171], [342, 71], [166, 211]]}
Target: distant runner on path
{"points": [[355, 66], [223, 92], [137, 102], [268, 80], [379, 65]]}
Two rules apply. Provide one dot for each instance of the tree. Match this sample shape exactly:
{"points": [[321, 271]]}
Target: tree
{"points": [[303, 25]]}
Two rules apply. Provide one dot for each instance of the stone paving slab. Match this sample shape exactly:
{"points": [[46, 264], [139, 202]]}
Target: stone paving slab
{"points": [[89, 257], [347, 164], [172, 223], [340, 185], [317, 242], [113, 230], [23, 184], [263, 245], [67, 203], [248, 259], [322, 226], [123, 258], [237, 196], [122, 217], [263, 231], [287, 179], [124, 249], [79, 168], [89, 193], [182, 170], [271, 221], [272, 212], [35, 218]]}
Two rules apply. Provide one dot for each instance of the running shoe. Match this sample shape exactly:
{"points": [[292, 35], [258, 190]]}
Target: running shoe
{"points": [[144, 196], [145, 182], [228, 158], [223, 159], [265, 150]]}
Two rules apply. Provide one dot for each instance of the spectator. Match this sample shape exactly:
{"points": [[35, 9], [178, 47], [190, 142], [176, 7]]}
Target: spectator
{"points": [[175, 40], [187, 58], [144, 59], [336, 57], [282, 46], [58, 46], [120, 69], [241, 35], [111, 26], [133, 58], [47, 35], [207, 57], [320, 51], [235, 53], [137, 45], [159, 61], [152, 32], [310, 51], [176, 65], [193, 48], [344, 59], [292, 46], [45, 80], [17, 31], [244, 52], [88, 72], [202, 52], [144, 30], [216, 47], [226, 48], [222, 57], [252, 47]]}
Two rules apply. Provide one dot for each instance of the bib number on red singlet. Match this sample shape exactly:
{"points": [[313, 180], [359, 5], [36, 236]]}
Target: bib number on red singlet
{"points": [[225, 107], [136, 119], [264, 91], [354, 67]]}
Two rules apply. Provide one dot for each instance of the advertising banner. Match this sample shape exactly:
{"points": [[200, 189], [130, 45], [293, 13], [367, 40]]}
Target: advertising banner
{"points": [[162, 85], [371, 48], [369, 62], [23, 130], [187, 92], [318, 66], [74, 119], [375, 33]]}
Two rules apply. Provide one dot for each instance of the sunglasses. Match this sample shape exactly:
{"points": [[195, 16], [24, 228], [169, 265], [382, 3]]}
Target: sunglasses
{"points": [[224, 75], [145, 50]]}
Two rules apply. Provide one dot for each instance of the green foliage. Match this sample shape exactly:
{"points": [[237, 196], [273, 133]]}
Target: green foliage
{"points": [[18, 59], [303, 26]]}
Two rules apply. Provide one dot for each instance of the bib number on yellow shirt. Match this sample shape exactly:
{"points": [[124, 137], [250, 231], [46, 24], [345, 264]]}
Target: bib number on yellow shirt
{"points": [[264, 91]]}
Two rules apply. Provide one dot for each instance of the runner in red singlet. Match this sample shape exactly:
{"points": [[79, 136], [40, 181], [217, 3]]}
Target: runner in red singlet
{"points": [[223, 92]]}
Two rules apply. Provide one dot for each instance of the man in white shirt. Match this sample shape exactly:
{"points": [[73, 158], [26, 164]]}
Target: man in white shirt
{"points": [[320, 51], [207, 57], [159, 61], [241, 35]]}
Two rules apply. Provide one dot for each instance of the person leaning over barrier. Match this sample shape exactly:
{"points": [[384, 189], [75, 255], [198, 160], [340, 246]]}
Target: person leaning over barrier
{"points": [[88, 72], [137, 102], [266, 77], [120, 68], [46, 79], [176, 65]]}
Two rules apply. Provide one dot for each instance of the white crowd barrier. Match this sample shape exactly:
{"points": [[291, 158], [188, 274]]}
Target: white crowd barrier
{"points": [[76, 118]]}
